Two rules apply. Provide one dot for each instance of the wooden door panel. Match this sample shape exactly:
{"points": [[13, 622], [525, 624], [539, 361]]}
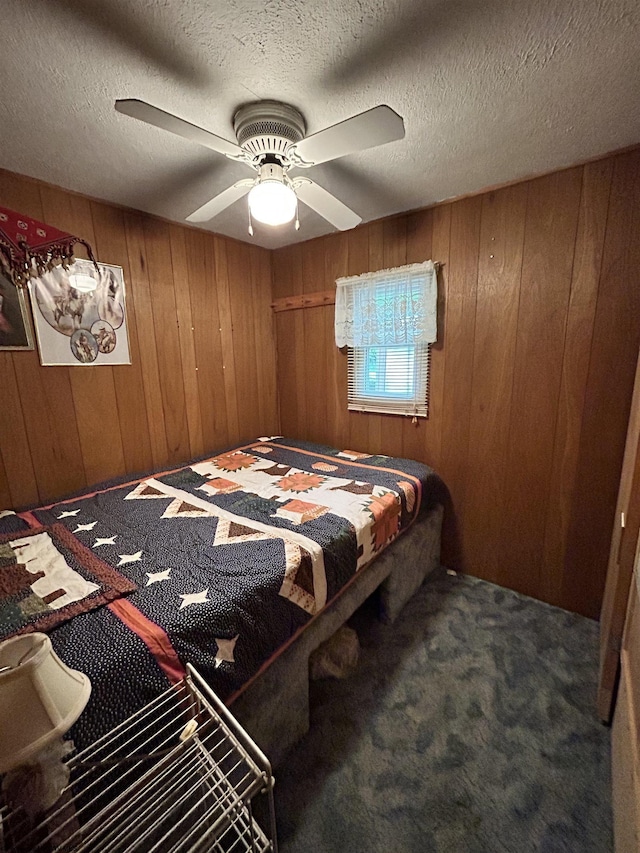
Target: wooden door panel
{"points": [[624, 541]]}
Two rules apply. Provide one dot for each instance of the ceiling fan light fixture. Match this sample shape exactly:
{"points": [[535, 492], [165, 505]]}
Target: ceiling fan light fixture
{"points": [[272, 201]]}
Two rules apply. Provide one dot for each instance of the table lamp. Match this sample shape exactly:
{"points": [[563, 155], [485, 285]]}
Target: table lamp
{"points": [[40, 699]]}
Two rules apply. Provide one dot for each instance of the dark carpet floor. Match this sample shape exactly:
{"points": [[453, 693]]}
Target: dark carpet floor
{"points": [[468, 727]]}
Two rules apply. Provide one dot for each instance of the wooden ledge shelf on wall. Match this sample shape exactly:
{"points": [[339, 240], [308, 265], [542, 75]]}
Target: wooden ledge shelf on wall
{"points": [[305, 300]]}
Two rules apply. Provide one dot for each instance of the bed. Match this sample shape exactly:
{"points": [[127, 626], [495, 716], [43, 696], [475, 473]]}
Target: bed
{"points": [[241, 563]]}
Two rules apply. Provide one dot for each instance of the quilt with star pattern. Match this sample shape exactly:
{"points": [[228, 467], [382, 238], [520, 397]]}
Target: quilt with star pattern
{"points": [[230, 557]]}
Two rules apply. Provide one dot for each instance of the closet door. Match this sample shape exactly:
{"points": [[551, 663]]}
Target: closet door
{"points": [[621, 558], [625, 753]]}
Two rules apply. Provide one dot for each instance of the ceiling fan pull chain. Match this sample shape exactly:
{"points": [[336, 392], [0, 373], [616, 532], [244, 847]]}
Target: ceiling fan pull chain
{"points": [[250, 224], [297, 222]]}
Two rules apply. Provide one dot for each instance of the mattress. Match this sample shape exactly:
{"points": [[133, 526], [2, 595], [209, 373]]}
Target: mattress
{"points": [[230, 557]]}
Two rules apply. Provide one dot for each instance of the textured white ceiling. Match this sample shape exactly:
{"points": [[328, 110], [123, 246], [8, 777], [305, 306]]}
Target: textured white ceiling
{"points": [[490, 91]]}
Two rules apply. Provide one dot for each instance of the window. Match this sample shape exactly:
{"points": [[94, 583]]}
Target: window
{"points": [[394, 380], [388, 321]]}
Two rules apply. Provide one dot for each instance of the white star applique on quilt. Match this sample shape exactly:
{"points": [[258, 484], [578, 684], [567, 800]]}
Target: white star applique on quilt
{"points": [[130, 558], [155, 577], [110, 540], [85, 527], [194, 598], [225, 650]]}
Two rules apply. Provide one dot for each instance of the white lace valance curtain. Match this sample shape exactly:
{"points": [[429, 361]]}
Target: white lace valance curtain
{"points": [[387, 308]]}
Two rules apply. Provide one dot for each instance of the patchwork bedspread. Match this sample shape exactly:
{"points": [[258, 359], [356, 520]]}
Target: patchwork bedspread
{"points": [[229, 557]]}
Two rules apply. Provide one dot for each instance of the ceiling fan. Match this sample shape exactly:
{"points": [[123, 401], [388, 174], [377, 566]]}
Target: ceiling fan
{"points": [[271, 140]]}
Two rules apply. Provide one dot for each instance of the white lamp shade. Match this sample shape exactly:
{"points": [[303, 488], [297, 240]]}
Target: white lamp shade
{"points": [[40, 698], [272, 202]]}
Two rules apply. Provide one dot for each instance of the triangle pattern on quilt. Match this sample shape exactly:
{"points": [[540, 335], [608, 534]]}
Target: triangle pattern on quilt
{"points": [[356, 488], [230, 532], [298, 584], [144, 491], [179, 508]]}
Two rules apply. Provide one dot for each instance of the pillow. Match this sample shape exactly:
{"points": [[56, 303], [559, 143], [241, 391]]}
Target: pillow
{"points": [[47, 576]]}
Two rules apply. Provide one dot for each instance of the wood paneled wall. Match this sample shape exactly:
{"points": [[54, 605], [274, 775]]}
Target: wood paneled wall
{"points": [[531, 378], [202, 350]]}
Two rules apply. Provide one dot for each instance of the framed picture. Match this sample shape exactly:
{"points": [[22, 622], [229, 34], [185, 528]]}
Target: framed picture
{"points": [[15, 327], [76, 326]]}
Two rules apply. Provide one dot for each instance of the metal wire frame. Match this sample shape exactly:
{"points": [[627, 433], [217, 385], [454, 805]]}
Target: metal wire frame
{"points": [[141, 787]]}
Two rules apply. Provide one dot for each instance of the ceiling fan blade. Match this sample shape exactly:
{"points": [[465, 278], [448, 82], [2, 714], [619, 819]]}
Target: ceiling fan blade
{"points": [[366, 130], [166, 121], [220, 202], [327, 205]]}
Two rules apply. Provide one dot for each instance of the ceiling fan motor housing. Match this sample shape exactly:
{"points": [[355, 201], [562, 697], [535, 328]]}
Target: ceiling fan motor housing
{"points": [[268, 129]]}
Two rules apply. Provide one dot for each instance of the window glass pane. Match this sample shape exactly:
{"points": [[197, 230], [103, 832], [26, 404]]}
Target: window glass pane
{"points": [[399, 379], [388, 372], [389, 379]]}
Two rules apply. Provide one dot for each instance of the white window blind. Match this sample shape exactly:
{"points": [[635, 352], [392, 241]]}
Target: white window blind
{"points": [[388, 321], [389, 380]]}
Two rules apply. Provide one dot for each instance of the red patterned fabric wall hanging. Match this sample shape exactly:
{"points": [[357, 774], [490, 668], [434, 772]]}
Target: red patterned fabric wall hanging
{"points": [[29, 248]]}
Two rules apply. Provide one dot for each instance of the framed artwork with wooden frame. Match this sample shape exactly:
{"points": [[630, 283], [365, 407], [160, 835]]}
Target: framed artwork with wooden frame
{"points": [[15, 326]]}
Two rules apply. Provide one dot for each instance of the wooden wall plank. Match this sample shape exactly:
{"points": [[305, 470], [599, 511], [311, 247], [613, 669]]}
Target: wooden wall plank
{"points": [[550, 234], [460, 331], [587, 263], [5, 493], [14, 445], [98, 424], [226, 339], [23, 196], [315, 342], [167, 338], [293, 380], [300, 373], [499, 269], [186, 338], [201, 264], [316, 375], [357, 263], [292, 421], [336, 266], [419, 242], [244, 331], [48, 405], [265, 370], [440, 240], [138, 270], [111, 247]]}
